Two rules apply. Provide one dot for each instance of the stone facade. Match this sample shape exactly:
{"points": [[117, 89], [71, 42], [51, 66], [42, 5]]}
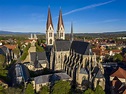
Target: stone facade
{"points": [[49, 30], [73, 57], [59, 52], [60, 27], [78, 62], [48, 80]]}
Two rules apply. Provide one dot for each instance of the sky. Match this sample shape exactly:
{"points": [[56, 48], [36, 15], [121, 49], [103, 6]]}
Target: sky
{"points": [[87, 16]]}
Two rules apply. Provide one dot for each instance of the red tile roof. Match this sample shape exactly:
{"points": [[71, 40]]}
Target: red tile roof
{"points": [[116, 51], [124, 91], [28, 41], [12, 47], [120, 73]]}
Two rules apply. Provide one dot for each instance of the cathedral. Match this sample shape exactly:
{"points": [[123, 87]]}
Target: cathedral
{"points": [[73, 57]]}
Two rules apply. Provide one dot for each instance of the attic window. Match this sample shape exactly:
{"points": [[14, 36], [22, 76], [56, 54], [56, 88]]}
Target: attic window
{"points": [[61, 28], [50, 28]]}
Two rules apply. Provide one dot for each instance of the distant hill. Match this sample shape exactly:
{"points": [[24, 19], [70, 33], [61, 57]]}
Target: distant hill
{"points": [[103, 33], [16, 33], [77, 34], [118, 32]]}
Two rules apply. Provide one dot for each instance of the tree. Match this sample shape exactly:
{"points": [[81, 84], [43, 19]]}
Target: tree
{"points": [[117, 57], [3, 71], [24, 55], [61, 86], [1, 90], [99, 90], [2, 60], [39, 48], [19, 44], [29, 89], [44, 90], [16, 52], [25, 52], [89, 91], [13, 90]]}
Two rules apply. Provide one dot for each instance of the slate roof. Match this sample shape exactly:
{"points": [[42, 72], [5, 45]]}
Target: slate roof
{"points": [[41, 79], [62, 45], [63, 76], [4, 49], [18, 70], [95, 70], [99, 74], [2, 52], [50, 77], [83, 71], [37, 64], [37, 58], [48, 48], [40, 55], [80, 47]]}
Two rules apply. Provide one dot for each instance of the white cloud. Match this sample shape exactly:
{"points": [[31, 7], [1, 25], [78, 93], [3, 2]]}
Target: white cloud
{"points": [[88, 7]]}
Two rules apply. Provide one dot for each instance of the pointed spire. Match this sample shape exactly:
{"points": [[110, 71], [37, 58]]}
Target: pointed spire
{"points": [[71, 32], [60, 20], [49, 19]]}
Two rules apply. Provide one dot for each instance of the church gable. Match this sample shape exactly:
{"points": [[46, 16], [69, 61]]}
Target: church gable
{"points": [[50, 28]]}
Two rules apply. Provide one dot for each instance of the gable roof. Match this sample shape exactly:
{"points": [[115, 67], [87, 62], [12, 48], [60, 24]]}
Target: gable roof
{"points": [[62, 45], [99, 74], [80, 47], [83, 71], [51, 77], [124, 91], [4, 48], [40, 56], [12, 47], [2, 52], [120, 73], [41, 79]]}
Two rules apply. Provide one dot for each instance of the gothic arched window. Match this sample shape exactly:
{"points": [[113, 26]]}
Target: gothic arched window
{"points": [[50, 41], [61, 34], [83, 78], [50, 34]]}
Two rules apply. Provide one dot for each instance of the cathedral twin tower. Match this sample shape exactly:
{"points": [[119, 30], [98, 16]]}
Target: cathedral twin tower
{"points": [[50, 29]]}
